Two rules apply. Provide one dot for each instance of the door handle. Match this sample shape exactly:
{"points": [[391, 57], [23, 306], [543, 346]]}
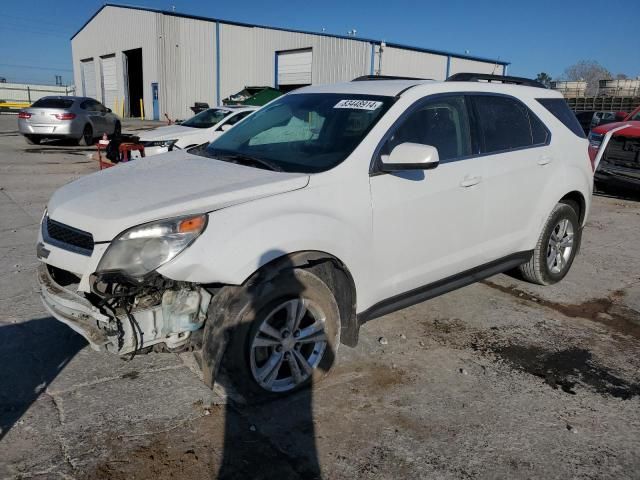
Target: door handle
{"points": [[470, 181], [544, 160]]}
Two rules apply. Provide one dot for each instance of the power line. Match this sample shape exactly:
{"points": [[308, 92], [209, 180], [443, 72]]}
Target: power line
{"points": [[34, 67]]}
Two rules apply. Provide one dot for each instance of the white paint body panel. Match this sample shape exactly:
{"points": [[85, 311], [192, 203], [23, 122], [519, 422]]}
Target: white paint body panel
{"points": [[394, 232]]}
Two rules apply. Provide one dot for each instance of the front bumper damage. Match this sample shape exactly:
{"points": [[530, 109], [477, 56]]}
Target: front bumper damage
{"points": [[167, 318]]}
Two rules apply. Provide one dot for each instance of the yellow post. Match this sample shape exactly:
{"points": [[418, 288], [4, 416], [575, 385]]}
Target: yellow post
{"points": [[122, 108], [141, 110], [115, 105]]}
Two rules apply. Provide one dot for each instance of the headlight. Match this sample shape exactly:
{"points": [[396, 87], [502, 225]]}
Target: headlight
{"points": [[143, 249], [595, 139], [160, 143]]}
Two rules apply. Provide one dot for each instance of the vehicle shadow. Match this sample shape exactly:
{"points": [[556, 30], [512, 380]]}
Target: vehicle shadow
{"points": [[272, 438], [32, 354]]}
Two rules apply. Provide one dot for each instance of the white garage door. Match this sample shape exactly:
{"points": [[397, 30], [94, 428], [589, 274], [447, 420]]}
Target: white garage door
{"points": [[109, 82], [89, 79], [294, 67]]}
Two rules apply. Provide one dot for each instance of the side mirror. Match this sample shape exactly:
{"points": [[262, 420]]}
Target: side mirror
{"points": [[620, 116], [411, 156], [225, 127]]}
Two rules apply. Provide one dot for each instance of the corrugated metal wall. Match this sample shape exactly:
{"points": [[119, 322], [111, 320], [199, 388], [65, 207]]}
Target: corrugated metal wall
{"points": [[463, 65], [112, 31], [187, 69], [180, 54], [397, 61]]}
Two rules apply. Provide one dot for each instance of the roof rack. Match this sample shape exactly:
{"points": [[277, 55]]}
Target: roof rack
{"points": [[365, 78], [475, 77]]}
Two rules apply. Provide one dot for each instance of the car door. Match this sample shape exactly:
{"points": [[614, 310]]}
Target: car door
{"points": [[427, 225], [94, 114], [518, 159]]}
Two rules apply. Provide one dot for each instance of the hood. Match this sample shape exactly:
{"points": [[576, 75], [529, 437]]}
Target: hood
{"points": [[170, 132], [632, 131], [163, 186]]}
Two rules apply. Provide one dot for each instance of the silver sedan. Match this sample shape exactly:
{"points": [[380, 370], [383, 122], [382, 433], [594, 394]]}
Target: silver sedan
{"points": [[79, 118]]}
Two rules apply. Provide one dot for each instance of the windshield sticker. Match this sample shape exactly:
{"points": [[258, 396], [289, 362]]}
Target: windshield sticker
{"points": [[358, 104]]}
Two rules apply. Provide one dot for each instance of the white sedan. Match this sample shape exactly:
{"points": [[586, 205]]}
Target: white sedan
{"points": [[204, 127]]}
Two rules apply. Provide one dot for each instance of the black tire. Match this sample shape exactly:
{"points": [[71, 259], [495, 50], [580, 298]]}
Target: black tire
{"points": [[87, 136], [537, 269], [32, 139], [117, 130], [253, 305]]}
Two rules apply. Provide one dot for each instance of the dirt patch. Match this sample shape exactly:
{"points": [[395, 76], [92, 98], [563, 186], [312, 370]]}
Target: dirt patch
{"points": [[566, 369], [132, 375], [601, 310]]}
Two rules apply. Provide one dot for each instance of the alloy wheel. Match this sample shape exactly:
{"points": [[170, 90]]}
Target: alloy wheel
{"points": [[560, 246]]}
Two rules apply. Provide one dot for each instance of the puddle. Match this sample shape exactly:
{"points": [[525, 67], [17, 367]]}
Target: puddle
{"points": [[601, 310], [566, 369]]}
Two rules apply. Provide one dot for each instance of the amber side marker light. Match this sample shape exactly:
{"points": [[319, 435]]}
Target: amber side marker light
{"points": [[192, 225]]}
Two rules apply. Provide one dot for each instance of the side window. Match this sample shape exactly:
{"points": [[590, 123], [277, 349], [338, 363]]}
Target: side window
{"points": [[440, 122], [506, 124], [236, 118]]}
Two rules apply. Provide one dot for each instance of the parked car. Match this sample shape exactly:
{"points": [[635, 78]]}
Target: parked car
{"points": [[620, 163], [602, 118], [585, 119], [78, 118], [330, 206], [201, 128]]}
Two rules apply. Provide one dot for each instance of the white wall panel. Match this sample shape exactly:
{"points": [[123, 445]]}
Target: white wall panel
{"points": [[294, 67], [109, 81], [409, 63], [88, 68], [463, 65]]}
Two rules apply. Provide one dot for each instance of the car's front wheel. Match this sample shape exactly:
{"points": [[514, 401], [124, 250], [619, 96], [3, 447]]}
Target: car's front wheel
{"points": [[556, 247], [285, 335]]}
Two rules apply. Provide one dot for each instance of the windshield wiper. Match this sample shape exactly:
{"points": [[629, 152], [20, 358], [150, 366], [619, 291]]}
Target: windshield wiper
{"points": [[244, 158]]}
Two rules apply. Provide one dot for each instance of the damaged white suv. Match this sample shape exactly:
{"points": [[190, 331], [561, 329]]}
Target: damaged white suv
{"points": [[330, 206]]}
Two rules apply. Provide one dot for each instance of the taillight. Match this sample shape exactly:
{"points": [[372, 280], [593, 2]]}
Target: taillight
{"points": [[24, 115], [65, 116]]}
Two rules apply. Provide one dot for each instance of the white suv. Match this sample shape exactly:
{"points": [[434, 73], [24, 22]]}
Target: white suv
{"points": [[332, 205]]}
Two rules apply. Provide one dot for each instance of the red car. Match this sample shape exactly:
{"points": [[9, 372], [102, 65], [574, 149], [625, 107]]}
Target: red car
{"points": [[620, 163]]}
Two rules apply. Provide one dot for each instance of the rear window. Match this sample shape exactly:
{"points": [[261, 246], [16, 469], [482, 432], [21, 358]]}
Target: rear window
{"points": [[559, 108], [53, 103]]}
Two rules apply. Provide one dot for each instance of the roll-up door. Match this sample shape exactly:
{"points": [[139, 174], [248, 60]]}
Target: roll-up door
{"points": [[89, 78], [294, 67], [109, 81]]}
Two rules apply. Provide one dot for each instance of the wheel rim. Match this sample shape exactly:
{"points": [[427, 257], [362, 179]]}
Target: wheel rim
{"points": [[88, 135], [288, 345], [560, 246]]}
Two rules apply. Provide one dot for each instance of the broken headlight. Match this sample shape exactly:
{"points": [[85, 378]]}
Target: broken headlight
{"points": [[141, 250]]}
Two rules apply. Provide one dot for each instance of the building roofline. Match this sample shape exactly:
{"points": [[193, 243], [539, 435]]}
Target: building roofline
{"points": [[292, 30]]}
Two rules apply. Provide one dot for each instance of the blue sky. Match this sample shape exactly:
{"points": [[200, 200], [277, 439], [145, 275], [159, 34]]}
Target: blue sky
{"points": [[534, 36]]}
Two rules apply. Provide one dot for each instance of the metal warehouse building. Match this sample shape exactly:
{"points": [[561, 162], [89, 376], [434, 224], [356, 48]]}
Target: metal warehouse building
{"points": [[124, 54]]}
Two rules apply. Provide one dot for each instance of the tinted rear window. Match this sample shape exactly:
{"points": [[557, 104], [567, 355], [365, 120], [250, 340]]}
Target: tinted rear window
{"points": [[507, 124], [53, 103], [559, 108]]}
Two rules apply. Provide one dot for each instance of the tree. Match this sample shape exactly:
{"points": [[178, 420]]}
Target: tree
{"points": [[589, 71], [544, 78]]}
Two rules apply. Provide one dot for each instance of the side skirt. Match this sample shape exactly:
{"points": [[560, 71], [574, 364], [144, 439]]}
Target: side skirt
{"points": [[440, 287]]}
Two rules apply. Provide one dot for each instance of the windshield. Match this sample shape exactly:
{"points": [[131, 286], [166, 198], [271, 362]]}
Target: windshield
{"points": [[636, 117], [206, 119], [306, 133]]}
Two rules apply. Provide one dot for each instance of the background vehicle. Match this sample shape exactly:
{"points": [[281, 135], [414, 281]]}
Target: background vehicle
{"points": [[79, 118], [330, 206], [602, 118], [204, 127], [620, 164], [585, 119]]}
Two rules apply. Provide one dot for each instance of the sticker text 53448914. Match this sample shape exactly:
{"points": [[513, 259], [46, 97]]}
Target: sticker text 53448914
{"points": [[358, 104]]}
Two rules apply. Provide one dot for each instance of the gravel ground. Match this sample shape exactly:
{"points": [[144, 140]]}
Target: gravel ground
{"points": [[501, 379]]}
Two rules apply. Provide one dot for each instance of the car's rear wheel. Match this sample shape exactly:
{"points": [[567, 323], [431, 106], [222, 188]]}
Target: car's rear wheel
{"points": [[87, 136], [32, 139], [286, 335], [556, 248]]}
